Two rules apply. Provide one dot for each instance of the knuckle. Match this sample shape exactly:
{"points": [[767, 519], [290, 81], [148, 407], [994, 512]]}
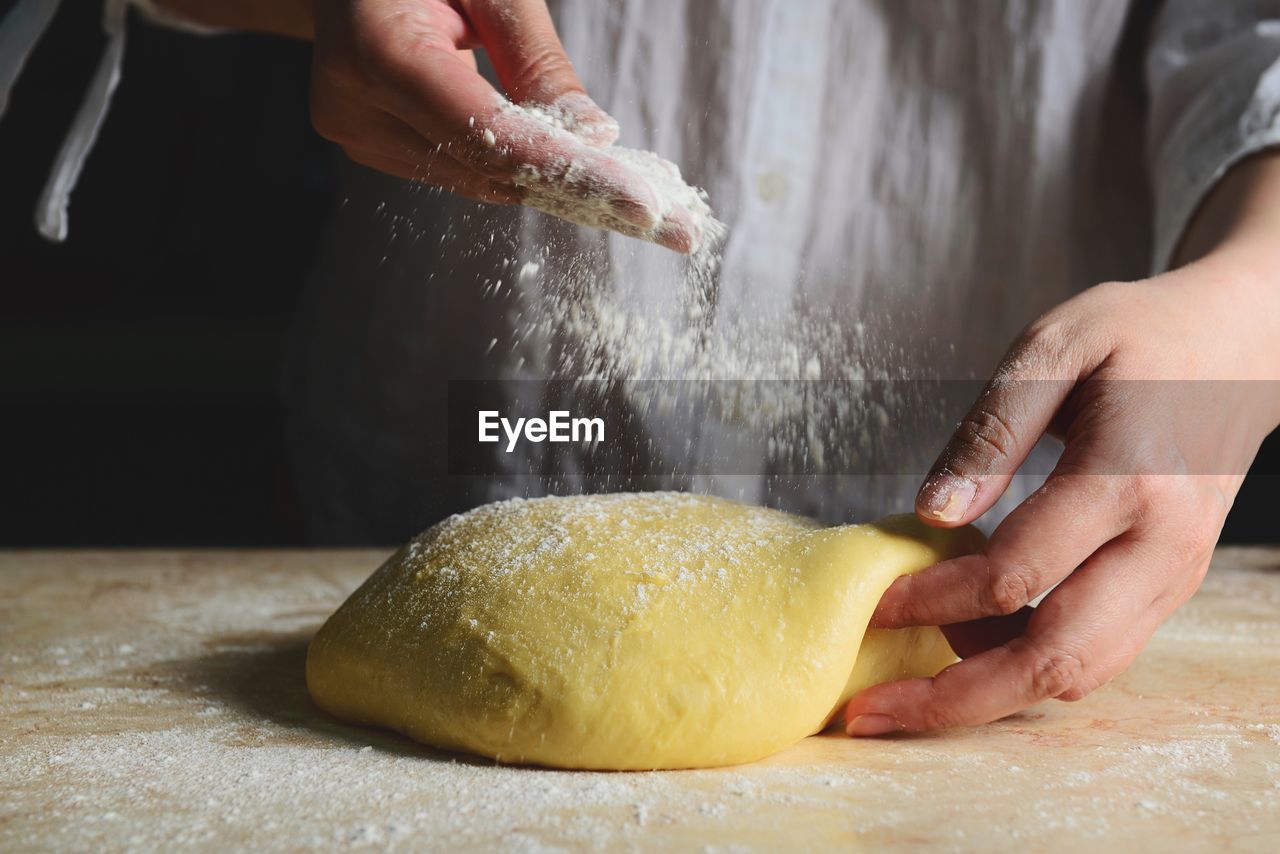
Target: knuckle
{"points": [[1081, 325], [1126, 495], [1044, 331], [1056, 673], [1191, 516], [939, 716], [1052, 344], [1048, 336], [497, 152], [1106, 295], [912, 613], [1009, 591], [987, 433], [1151, 495]]}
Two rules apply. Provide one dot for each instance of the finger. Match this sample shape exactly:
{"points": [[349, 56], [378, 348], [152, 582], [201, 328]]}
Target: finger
{"points": [[440, 172], [521, 39], [468, 58], [997, 434], [443, 100], [1037, 545], [1143, 572], [1139, 635], [380, 141], [678, 232], [381, 163], [1157, 548], [978, 636], [357, 126], [1078, 638]]}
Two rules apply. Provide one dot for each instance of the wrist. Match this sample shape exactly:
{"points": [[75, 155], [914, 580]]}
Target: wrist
{"points": [[1226, 331], [1230, 257]]}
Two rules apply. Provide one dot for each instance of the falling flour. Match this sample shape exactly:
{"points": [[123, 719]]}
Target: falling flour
{"points": [[783, 387], [570, 311], [789, 388]]}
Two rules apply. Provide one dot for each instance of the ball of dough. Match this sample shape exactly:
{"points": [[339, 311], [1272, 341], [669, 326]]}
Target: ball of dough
{"points": [[629, 631]]}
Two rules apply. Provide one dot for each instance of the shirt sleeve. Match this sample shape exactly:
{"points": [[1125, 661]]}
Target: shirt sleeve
{"points": [[1213, 73]]}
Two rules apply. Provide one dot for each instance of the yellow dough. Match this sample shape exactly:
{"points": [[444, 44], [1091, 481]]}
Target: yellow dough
{"points": [[628, 631]]}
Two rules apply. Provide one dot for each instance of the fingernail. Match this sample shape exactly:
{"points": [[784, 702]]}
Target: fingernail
{"points": [[871, 725], [675, 238], [946, 497]]}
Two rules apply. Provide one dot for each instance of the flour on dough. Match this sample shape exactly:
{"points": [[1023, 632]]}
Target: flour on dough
{"points": [[629, 631]]}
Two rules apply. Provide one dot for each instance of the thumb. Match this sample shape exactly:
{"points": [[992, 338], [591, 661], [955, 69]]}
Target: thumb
{"points": [[526, 52], [1011, 414]]}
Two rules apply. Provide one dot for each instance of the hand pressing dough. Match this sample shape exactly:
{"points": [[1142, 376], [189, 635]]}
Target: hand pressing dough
{"points": [[629, 631]]}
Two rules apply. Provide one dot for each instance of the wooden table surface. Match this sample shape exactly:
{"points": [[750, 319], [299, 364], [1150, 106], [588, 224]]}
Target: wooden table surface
{"points": [[156, 700]]}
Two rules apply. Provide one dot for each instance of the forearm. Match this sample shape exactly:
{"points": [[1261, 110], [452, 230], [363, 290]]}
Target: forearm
{"points": [[1240, 219], [1231, 252], [293, 18]]}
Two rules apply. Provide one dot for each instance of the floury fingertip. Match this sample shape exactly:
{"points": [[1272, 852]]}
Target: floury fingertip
{"points": [[946, 497]]}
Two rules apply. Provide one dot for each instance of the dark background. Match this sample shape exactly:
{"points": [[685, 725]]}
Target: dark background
{"points": [[138, 361]]}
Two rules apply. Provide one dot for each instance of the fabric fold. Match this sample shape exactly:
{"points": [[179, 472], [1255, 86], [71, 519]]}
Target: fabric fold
{"points": [[1213, 72], [20, 32]]}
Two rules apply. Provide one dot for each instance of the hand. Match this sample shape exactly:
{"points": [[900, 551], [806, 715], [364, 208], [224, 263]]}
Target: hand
{"points": [[394, 83], [1162, 391]]}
